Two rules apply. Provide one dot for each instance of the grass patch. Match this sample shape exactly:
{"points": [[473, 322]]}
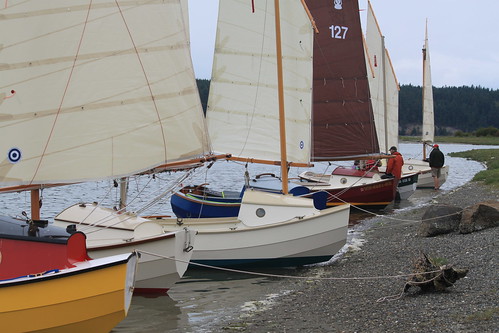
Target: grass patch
{"points": [[490, 157], [487, 314], [471, 140], [439, 261]]}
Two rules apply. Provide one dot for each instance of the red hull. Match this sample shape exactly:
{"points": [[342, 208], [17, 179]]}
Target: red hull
{"points": [[22, 255], [374, 196]]}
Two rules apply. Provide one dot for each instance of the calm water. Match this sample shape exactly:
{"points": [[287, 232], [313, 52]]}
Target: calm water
{"points": [[204, 298]]}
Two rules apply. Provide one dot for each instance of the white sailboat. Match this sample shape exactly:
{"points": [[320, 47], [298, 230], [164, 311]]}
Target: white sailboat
{"points": [[384, 89], [249, 83], [425, 179], [100, 90]]}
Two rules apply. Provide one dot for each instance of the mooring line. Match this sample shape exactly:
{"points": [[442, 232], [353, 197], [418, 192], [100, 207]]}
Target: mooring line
{"points": [[284, 276]]}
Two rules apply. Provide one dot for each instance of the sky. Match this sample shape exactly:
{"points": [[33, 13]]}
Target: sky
{"points": [[463, 38]]}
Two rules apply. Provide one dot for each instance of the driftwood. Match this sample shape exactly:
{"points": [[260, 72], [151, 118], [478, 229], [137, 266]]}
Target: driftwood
{"points": [[430, 277]]}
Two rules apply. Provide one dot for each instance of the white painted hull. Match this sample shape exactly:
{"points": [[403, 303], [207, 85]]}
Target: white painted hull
{"points": [[288, 235], [292, 232], [425, 179], [156, 273], [407, 185]]}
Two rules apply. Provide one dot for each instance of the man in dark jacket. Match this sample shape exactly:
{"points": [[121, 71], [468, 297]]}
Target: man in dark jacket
{"points": [[436, 160]]}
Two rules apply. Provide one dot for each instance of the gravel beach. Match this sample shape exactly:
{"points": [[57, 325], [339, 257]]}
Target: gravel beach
{"points": [[354, 301]]}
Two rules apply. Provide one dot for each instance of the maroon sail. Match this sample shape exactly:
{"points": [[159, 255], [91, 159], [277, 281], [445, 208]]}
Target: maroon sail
{"points": [[342, 115]]}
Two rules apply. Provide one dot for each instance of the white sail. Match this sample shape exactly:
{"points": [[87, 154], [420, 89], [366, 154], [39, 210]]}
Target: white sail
{"points": [[383, 84], [243, 109], [428, 116], [91, 90]]}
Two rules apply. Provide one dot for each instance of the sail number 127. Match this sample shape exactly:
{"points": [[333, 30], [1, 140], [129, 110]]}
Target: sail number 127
{"points": [[338, 32]]}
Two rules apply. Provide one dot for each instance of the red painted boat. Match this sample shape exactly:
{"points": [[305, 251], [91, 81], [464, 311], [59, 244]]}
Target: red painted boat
{"points": [[359, 188], [34, 246]]}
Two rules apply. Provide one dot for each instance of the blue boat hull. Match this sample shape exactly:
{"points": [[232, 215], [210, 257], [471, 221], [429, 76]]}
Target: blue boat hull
{"points": [[192, 205]]}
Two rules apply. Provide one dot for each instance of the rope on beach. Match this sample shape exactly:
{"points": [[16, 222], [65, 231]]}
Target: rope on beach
{"points": [[414, 283], [395, 218], [284, 276], [398, 219]]}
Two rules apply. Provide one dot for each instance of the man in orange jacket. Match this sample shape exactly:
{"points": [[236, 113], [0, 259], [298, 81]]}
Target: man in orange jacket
{"points": [[394, 165]]}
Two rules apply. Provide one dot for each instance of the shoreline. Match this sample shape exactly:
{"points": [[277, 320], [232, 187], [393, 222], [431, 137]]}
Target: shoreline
{"points": [[348, 300]]}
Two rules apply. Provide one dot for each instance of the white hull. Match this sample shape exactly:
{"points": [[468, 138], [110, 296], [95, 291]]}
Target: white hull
{"points": [[406, 190], [425, 180], [292, 232], [156, 273]]}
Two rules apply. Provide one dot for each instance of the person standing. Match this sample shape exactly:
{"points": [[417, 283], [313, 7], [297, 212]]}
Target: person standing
{"points": [[437, 161], [394, 166]]}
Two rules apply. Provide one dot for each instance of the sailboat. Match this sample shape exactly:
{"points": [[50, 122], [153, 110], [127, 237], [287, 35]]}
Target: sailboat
{"points": [[93, 91], [342, 125], [384, 89], [342, 122], [425, 179], [260, 92], [48, 282]]}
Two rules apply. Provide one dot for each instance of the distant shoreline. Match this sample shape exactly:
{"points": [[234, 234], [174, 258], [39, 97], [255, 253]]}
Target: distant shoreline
{"points": [[471, 140]]}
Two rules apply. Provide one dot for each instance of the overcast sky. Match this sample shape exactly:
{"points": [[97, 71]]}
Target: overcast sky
{"points": [[463, 37]]}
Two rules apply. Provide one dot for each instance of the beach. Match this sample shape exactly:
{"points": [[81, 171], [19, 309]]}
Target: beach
{"points": [[363, 290]]}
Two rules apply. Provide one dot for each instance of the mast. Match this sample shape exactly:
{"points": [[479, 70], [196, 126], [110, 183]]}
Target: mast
{"points": [[282, 125], [123, 184], [35, 204], [385, 102], [423, 89]]}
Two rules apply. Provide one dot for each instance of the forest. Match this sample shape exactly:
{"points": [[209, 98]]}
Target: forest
{"points": [[464, 109]]}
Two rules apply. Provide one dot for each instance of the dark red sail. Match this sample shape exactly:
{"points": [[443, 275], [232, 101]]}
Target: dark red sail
{"points": [[342, 116]]}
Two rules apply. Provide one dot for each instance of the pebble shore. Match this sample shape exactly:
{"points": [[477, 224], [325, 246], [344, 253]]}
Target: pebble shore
{"points": [[357, 300]]}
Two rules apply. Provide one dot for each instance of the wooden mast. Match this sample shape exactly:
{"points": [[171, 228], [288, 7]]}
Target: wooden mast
{"points": [[35, 204], [282, 127]]}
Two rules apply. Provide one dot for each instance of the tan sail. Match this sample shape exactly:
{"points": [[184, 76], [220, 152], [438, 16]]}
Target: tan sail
{"points": [[70, 112], [428, 115], [243, 108], [383, 84]]}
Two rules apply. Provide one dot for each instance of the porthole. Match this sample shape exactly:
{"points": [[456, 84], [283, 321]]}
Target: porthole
{"points": [[260, 212], [411, 167], [343, 180]]}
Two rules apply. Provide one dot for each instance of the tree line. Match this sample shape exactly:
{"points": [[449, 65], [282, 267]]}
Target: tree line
{"points": [[465, 109], [457, 109]]}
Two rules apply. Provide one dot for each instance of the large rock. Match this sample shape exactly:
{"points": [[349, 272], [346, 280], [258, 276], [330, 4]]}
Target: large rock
{"points": [[479, 216], [439, 219]]}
